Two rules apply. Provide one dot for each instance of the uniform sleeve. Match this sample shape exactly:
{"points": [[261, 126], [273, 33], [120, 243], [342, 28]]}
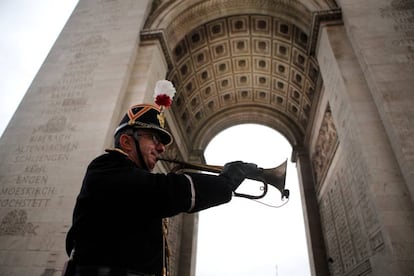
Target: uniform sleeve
{"points": [[123, 191], [208, 191], [189, 192]]}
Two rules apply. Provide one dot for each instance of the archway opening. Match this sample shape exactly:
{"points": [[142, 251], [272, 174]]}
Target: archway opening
{"points": [[244, 237]]}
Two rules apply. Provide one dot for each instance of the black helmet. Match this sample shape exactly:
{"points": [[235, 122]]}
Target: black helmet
{"points": [[146, 116]]}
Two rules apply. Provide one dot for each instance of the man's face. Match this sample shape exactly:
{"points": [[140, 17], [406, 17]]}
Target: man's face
{"points": [[151, 147]]}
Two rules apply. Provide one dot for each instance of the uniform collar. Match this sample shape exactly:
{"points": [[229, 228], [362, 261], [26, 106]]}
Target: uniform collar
{"points": [[117, 150]]}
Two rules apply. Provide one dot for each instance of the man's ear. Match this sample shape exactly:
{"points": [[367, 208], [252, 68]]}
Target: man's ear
{"points": [[125, 141]]}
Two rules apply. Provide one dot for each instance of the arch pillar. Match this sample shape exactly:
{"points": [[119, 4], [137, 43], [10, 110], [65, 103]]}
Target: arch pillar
{"points": [[366, 209], [151, 65], [316, 246], [188, 250]]}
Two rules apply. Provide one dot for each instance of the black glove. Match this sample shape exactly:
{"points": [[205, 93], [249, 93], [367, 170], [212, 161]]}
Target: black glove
{"points": [[237, 171]]}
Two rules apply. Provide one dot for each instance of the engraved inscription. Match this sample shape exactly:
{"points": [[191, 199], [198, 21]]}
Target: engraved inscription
{"points": [[331, 238], [359, 237], [69, 94], [30, 186], [49, 142], [29, 189], [348, 218], [401, 12]]}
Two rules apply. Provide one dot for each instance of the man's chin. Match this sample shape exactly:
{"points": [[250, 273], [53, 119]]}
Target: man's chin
{"points": [[151, 165]]}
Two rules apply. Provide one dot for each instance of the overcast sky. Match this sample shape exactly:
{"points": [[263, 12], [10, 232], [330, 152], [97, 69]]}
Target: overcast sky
{"points": [[28, 30], [245, 238], [242, 238]]}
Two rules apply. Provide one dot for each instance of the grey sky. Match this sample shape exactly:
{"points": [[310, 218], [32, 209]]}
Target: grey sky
{"points": [[245, 238], [28, 30]]}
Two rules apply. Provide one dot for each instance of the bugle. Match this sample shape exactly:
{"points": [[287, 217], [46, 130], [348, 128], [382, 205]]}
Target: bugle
{"points": [[275, 177]]}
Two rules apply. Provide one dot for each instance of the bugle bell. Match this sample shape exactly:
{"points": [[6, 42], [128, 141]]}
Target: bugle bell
{"points": [[275, 177]]}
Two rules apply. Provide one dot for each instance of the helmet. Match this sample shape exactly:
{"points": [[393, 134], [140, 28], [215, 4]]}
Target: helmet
{"points": [[146, 116]]}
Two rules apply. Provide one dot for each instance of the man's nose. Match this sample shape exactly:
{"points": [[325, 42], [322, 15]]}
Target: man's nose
{"points": [[160, 148]]}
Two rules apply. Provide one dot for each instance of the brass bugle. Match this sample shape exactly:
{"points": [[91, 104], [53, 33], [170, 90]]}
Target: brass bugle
{"points": [[275, 177]]}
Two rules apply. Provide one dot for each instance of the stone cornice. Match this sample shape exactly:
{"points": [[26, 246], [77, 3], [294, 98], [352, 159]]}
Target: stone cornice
{"points": [[158, 34], [319, 17]]}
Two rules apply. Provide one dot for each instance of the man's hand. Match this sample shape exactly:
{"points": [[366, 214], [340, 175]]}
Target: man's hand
{"points": [[237, 171]]}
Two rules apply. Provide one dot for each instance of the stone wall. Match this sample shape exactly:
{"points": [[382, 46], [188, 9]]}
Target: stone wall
{"points": [[382, 34], [66, 118], [364, 202]]}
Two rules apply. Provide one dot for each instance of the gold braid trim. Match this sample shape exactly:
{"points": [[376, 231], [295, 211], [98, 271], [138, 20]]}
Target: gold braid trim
{"points": [[166, 251]]}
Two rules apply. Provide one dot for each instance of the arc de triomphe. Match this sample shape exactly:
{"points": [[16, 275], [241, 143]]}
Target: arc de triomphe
{"points": [[335, 78]]}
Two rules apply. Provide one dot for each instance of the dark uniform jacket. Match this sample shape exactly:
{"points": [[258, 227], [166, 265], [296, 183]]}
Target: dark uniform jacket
{"points": [[118, 214]]}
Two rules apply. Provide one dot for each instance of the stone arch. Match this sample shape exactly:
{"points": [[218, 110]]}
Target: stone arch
{"points": [[263, 56], [238, 62], [241, 115], [176, 18]]}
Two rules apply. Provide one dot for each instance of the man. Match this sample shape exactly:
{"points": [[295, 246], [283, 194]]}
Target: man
{"points": [[117, 220]]}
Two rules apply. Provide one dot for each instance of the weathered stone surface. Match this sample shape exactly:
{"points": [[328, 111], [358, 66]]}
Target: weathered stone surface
{"points": [[336, 82]]}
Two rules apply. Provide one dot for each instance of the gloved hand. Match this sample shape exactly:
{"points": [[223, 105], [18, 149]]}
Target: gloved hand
{"points": [[237, 171]]}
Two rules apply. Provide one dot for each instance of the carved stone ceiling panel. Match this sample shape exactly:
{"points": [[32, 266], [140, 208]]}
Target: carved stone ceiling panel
{"points": [[242, 60]]}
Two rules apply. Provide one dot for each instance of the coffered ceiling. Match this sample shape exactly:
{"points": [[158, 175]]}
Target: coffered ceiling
{"points": [[242, 60]]}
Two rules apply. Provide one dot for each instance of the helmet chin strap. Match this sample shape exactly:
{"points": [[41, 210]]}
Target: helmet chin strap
{"points": [[139, 153]]}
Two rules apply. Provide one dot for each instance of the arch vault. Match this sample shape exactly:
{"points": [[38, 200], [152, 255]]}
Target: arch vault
{"points": [[242, 62]]}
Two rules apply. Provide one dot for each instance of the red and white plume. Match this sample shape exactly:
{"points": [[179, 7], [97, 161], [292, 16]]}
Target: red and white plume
{"points": [[164, 93]]}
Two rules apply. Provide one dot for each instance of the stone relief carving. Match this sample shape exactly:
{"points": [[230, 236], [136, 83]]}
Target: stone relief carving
{"points": [[15, 224], [55, 125], [325, 147]]}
